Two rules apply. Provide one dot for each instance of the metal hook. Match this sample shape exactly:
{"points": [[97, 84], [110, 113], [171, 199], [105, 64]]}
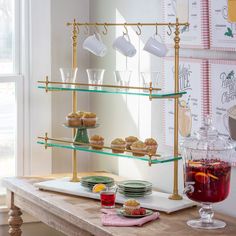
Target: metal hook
{"points": [[126, 29], [139, 28], [77, 27], [96, 28], [156, 29], [170, 30], [105, 27], [86, 28]]}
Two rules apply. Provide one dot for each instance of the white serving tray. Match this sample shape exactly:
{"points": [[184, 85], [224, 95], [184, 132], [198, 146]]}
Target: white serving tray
{"points": [[156, 201]]}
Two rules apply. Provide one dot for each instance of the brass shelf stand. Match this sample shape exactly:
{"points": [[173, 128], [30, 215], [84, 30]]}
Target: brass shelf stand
{"points": [[75, 31]]}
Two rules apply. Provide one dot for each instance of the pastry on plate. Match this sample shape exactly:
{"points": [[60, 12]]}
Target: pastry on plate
{"points": [[151, 145], [130, 140], [97, 142], [118, 145], [130, 205], [89, 119], [139, 148], [73, 119]]}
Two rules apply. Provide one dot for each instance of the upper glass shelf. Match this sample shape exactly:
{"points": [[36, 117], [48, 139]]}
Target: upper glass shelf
{"points": [[153, 160], [111, 90]]}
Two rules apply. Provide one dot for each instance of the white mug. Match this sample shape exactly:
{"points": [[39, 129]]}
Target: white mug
{"points": [[95, 45], [155, 47], [124, 46]]}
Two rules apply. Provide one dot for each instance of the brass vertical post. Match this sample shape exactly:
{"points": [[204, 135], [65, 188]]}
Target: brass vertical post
{"points": [[175, 195], [74, 100]]}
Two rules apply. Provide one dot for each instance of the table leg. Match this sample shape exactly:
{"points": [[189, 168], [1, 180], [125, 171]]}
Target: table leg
{"points": [[15, 221]]}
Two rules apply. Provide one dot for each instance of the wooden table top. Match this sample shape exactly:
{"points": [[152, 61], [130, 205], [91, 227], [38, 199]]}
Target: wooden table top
{"points": [[85, 213]]}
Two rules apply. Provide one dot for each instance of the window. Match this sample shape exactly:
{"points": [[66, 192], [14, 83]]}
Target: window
{"points": [[9, 87]]}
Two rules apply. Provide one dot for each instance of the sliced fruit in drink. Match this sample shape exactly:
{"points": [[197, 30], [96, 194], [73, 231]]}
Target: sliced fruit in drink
{"points": [[201, 177], [97, 188]]}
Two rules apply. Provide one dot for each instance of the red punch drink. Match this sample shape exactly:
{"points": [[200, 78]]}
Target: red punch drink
{"points": [[108, 199], [209, 178]]}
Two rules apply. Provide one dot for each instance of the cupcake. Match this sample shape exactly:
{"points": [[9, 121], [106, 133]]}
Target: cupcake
{"points": [[129, 140], [139, 147], [118, 143], [96, 142], [151, 145], [89, 119], [73, 119], [131, 205]]}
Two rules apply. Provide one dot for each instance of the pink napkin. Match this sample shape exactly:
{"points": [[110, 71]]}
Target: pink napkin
{"points": [[110, 218]]}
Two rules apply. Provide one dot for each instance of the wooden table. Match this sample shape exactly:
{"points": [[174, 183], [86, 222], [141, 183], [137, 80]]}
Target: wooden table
{"points": [[77, 216]]}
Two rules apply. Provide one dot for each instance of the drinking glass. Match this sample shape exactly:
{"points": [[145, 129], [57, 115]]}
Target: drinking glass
{"points": [[108, 197], [122, 78], [147, 77], [68, 75], [95, 76]]}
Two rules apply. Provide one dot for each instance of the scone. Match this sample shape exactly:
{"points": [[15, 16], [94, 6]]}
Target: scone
{"points": [[151, 145], [139, 147], [96, 142], [131, 205], [118, 145], [89, 119], [129, 141], [73, 119]]}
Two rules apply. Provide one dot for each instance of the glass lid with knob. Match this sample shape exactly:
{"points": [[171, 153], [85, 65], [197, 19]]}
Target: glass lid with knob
{"points": [[207, 167]]}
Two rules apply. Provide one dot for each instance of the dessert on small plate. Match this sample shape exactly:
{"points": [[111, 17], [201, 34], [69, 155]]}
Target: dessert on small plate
{"points": [[132, 208], [118, 145], [130, 140], [89, 119], [139, 148], [97, 142], [151, 145]]}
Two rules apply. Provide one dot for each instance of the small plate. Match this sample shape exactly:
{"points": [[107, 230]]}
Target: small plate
{"points": [[122, 212]]}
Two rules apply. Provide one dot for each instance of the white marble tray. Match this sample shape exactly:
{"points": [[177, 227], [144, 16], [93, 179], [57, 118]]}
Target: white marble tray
{"points": [[156, 201]]}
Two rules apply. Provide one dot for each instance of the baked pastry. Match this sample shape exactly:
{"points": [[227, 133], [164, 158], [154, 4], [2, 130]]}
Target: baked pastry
{"points": [[73, 119], [139, 148], [96, 142], [129, 140], [80, 113], [151, 145], [118, 145], [130, 205], [89, 119]]}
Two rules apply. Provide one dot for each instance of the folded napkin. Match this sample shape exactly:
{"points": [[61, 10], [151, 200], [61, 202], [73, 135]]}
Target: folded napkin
{"points": [[110, 218]]}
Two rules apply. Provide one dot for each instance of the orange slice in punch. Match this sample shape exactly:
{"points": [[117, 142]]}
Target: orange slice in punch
{"points": [[213, 176], [201, 177]]}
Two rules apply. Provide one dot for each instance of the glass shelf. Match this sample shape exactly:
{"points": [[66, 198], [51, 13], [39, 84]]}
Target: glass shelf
{"points": [[157, 160], [155, 93]]}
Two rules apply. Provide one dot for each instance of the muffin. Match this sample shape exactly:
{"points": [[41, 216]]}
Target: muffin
{"points": [[96, 142], [89, 119], [73, 119], [130, 205], [140, 147], [129, 140], [118, 143], [151, 145]]}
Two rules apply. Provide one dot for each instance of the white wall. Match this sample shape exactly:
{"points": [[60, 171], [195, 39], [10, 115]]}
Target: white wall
{"points": [[120, 115], [39, 103], [61, 13]]}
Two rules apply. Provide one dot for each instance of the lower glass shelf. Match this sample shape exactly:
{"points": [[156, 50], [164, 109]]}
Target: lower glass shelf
{"points": [[154, 160]]}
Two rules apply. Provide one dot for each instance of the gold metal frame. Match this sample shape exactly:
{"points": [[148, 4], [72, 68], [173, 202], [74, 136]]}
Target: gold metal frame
{"points": [[75, 31]]}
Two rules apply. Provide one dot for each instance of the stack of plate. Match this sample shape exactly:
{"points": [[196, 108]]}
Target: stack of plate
{"points": [[90, 181], [134, 188]]}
